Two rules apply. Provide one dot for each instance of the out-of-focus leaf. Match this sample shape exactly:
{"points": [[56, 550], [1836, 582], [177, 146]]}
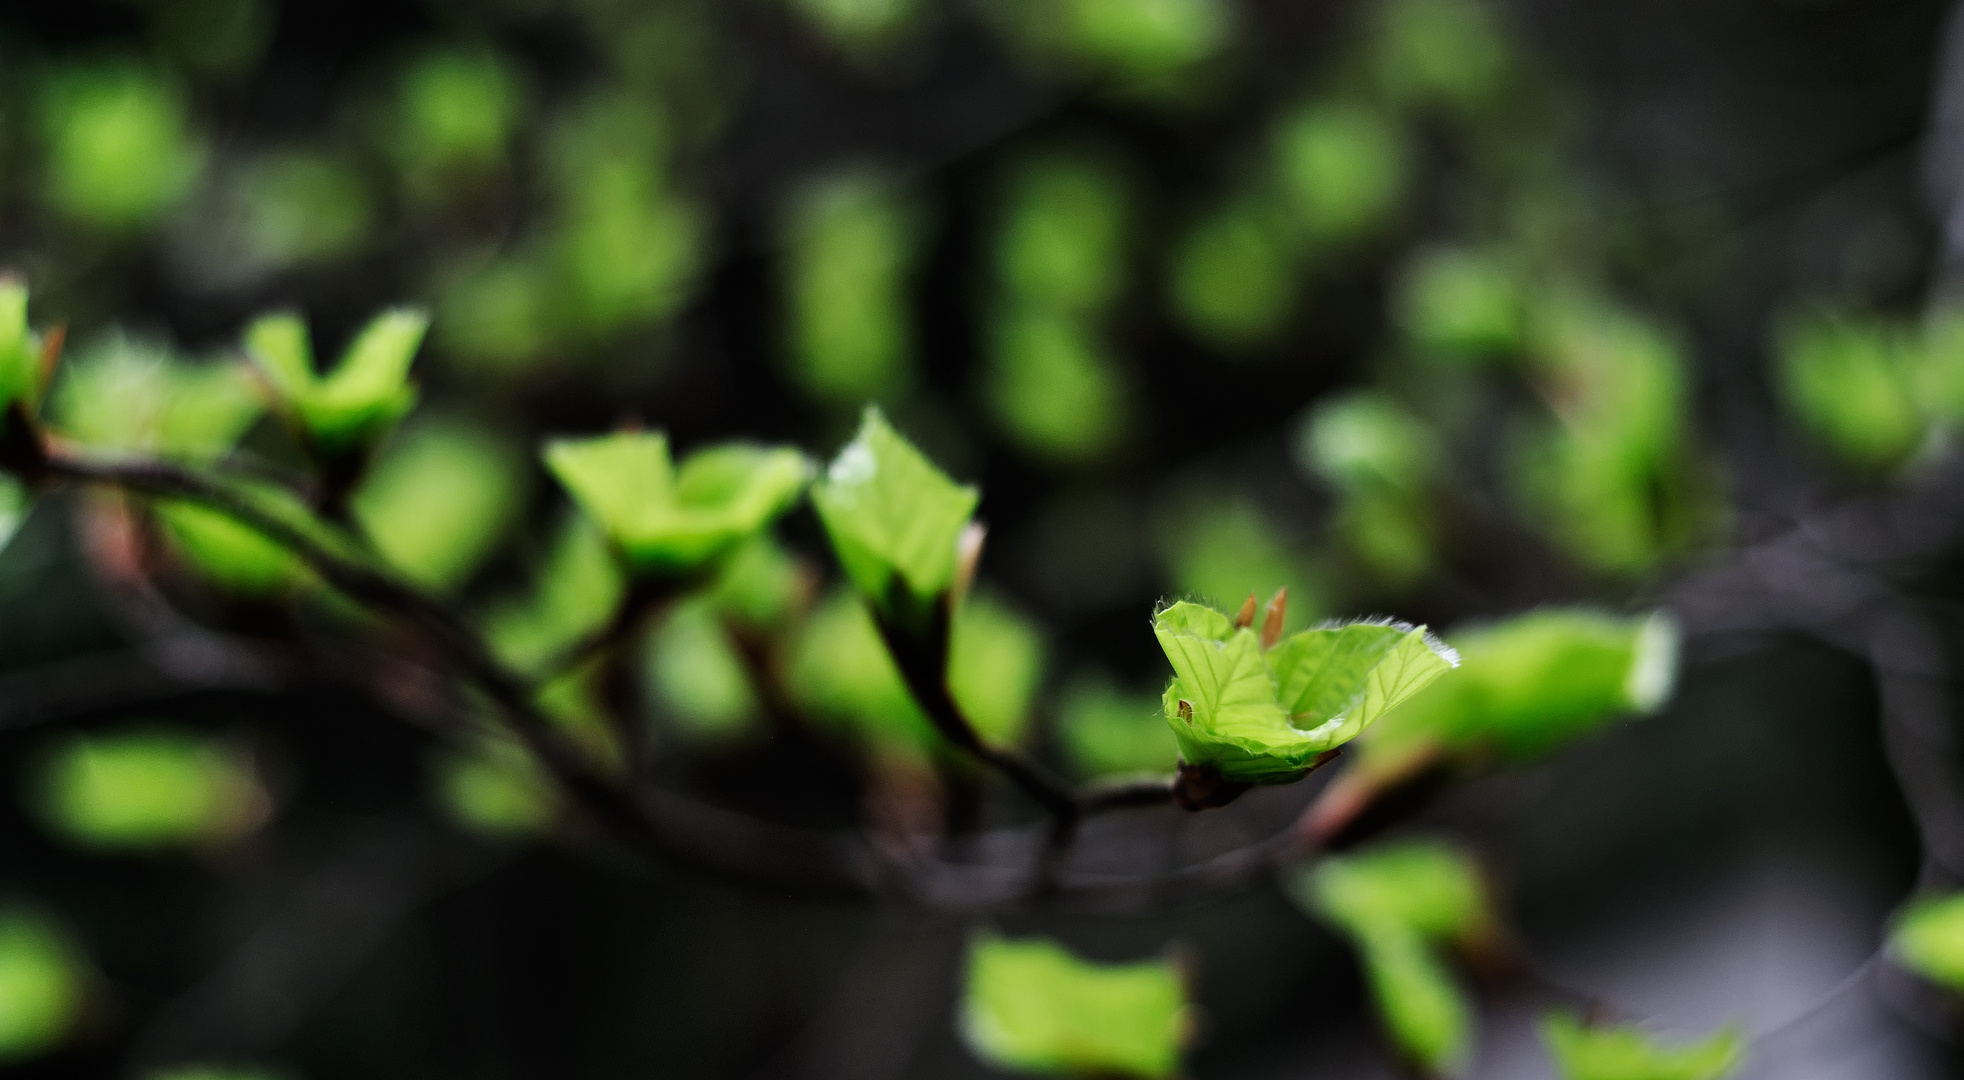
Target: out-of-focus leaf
{"points": [[1364, 438], [847, 275], [1108, 732], [439, 500], [894, 519], [120, 149], [496, 310], [1032, 1006], [573, 597], [1052, 386], [42, 984], [454, 117], [1929, 939], [1629, 1053], [761, 585], [21, 373], [673, 521], [149, 790], [1460, 304], [840, 671], [1261, 718], [1341, 166], [122, 394], [860, 27], [1445, 52], [216, 38], [1062, 241], [1425, 887], [696, 674], [1147, 41], [1421, 1005], [1850, 385], [995, 661], [365, 395], [304, 208], [1531, 684], [496, 790], [1233, 280]]}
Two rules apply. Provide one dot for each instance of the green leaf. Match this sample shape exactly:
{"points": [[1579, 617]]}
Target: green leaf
{"points": [[1146, 42], [760, 585], [42, 986], [1061, 246], [669, 521], [1929, 939], [1533, 683], [122, 394], [1031, 1006], [1262, 718], [497, 790], [239, 557], [894, 519], [1233, 282], [120, 148], [149, 790], [1422, 1006], [1424, 887], [1342, 166], [1460, 304], [1630, 1053], [439, 500], [839, 670], [1108, 732], [366, 394], [848, 268], [573, 596], [696, 674], [20, 349], [1850, 384], [995, 661], [1052, 385]]}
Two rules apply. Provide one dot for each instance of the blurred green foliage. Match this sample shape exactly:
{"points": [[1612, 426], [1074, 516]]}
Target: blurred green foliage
{"points": [[1385, 466], [439, 499], [1220, 551], [1233, 281], [119, 148], [496, 790], [1461, 304], [43, 983], [574, 594], [849, 256], [1106, 731], [1630, 1053], [1341, 166], [1928, 938], [1398, 904], [148, 790], [123, 394], [452, 120], [1052, 381], [697, 676], [22, 373], [1032, 1006], [1851, 385], [1529, 685], [1441, 53], [214, 1072]]}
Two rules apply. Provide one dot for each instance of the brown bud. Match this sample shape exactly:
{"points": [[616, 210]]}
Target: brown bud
{"points": [[1272, 621], [1186, 710], [1247, 616]]}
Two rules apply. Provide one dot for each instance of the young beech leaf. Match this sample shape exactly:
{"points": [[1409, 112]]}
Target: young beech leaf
{"points": [[995, 660], [1630, 1053], [1262, 717], [1031, 1006], [894, 519], [149, 790], [366, 394], [1423, 1008], [673, 521], [439, 500], [1929, 939], [573, 596], [1424, 887], [42, 983], [120, 394], [1530, 684]]}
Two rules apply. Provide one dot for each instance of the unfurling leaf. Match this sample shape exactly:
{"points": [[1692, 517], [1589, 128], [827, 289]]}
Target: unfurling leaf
{"points": [[351, 408], [670, 521], [1034, 1007], [1263, 716], [895, 520], [1623, 1052]]}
